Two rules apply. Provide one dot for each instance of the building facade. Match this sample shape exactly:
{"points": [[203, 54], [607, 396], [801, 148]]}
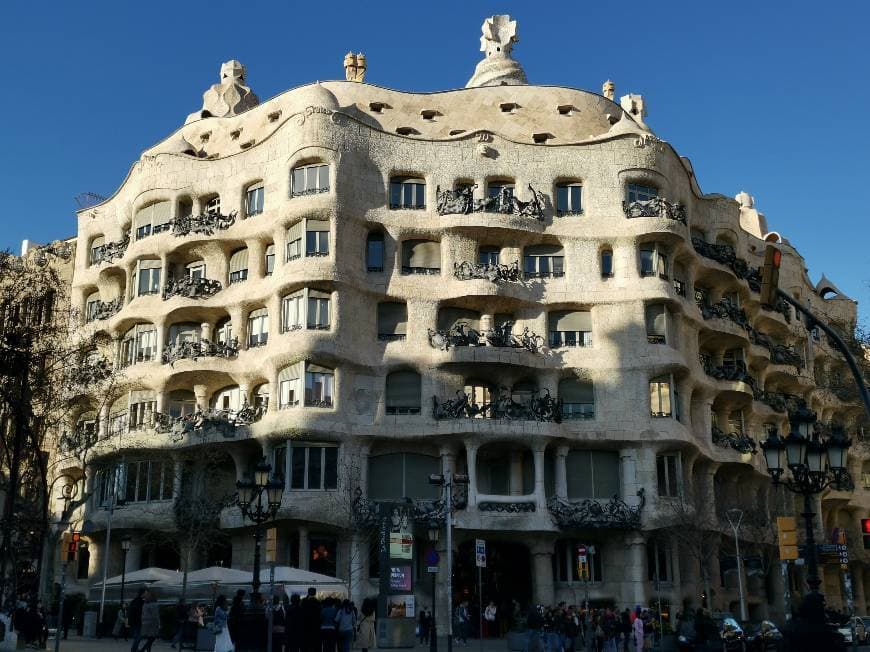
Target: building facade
{"points": [[519, 283]]}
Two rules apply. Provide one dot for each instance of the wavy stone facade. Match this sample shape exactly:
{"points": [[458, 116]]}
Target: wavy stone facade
{"points": [[643, 382]]}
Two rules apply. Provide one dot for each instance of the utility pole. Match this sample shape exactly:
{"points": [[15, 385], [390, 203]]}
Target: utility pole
{"points": [[734, 518]]}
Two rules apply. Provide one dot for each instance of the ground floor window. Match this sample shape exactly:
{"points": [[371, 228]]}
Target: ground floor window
{"points": [[321, 556], [566, 561], [659, 565]]}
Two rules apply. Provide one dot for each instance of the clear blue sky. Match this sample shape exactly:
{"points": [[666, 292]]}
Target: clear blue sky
{"points": [[767, 97]]}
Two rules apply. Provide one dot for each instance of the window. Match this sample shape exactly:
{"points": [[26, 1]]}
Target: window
{"points": [[143, 406], [592, 474], [606, 263], [261, 399], [569, 199], [653, 261], [293, 312], [636, 192], [667, 472], [421, 257], [318, 310], [660, 396], [146, 277], [195, 271], [270, 259], [402, 475], [566, 561], [658, 562], [223, 331], [316, 238], [213, 206], [310, 180], [735, 422], [254, 200], [309, 307], [258, 327], [139, 345], [289, 386], [319, 382], [375, 252], [402, 394], [656, 316], [570, 328], [407, 193], [503, 194], [98, 248], [544, 261], [228, 399], [322, 556], [489, 256], [92, 306], [294, 241], [313, 467], [182, 402], [392, 321], [147, 481], [152, 219], [732, 359], [239, 265], [578, 399]]}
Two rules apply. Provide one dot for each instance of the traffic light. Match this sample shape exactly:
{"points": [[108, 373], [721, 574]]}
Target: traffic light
{"points": [[865, 532], [73, 545], [787, 529], [770, 275]]}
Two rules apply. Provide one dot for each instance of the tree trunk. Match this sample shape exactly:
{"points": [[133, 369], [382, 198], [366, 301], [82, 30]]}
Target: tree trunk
{"points": [[184, 575]]}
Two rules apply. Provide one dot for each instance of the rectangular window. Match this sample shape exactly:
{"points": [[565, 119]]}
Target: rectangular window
{"points": [[195, 271], [318, 388], [294, 249], [254, 201], [658, 563], [314, 467], [258, 328], [656, 316], [238, 276], [310, 180], [668, 477], [148, 280], [375, 253], [636, 192], [660, 397], [142, 414], [489, 256], [566, 560], [270, 259], [318, 313], [607, 263], [568, 199], [408, 193], [289, 393], [292, 312], [543, 266], [317, 243], [213, 206]]}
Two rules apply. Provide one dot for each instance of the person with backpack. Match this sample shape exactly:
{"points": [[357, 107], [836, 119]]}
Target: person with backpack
{"points": [[134, 618], [345, 623]]}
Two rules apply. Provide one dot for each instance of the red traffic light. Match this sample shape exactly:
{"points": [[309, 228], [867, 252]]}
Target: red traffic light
{"points": [[865, 525]]}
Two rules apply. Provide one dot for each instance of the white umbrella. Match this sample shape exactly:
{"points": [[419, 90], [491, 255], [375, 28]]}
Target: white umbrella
{"points": [[296, 580], [219, 575], [146, 575]]}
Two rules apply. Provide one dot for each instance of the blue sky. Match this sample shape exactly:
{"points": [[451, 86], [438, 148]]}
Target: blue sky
{"points": [[767, 97]]}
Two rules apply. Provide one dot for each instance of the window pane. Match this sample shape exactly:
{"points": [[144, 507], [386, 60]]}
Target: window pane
{"points": [[672, 474], [661, 476], [298, 180], [575, 198], [395, 194], [297, 469], [154, 480], [607, 263], [330, 469], [646, 261], [562, 198], [314, 467], [323, 181], [420, 191]]}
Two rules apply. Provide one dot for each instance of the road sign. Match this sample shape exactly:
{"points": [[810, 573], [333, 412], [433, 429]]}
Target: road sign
{"points": [[432, 558], [480, 553], [828, 553], [787, 528], [581, 553]]}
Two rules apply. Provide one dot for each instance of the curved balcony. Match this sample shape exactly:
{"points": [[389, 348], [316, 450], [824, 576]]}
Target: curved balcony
{"points": [[207, 422], [466, 271], [191, 288], [99, 310], [110, 251], [542, 407], [724, 254], [461, 335], [592, 513], [203, 224], [738, 441], [462, 202], [655, 207], [202, 348]]}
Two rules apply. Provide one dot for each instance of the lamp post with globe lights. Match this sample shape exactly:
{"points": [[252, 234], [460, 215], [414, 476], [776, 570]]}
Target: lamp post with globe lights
{"points": [[815, 463]]}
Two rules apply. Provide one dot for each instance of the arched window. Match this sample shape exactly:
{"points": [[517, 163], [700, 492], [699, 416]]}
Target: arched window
{"points": [[254, 199], [421, 257], [607, 263], [239, 265], [309, 179], [523, 391], [402, 395], [98, 248], [569, 199], [375, 251], [544, 261], [153, 219], [660, 396], [143, 405], [407, 192], [570, 328], [392, 321], [578, 399]]}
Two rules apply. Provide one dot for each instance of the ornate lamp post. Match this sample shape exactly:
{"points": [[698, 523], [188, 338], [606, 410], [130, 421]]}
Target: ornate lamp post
{"points": [[125, 548], [433, 533], [259, 501], [815, 464]]}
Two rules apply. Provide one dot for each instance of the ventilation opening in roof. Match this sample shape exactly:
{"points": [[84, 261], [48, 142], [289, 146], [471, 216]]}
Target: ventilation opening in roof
{"points": [[541, 139], [378, 107], [273, 117], [205, 136], [456, 132], [429, 114], [565, 109], [406, 131], [235, 133], [508, 107], [205, 114], [247, 144]]}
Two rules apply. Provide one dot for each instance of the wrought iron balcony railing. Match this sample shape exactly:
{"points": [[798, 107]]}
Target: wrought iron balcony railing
{"points": [[204, 421], [309, 191], [191, 288], [466, 271], [592, 513], [365, 511], [502, 336], [99, 310], [392, 337], [202, 348], [782, 307], [325, 402], [511, 507], [655, 207], [203, 224], [106, 253], [542, 407], [432, 271], [462, 202], [739, 441], [725, 255], [736, 372]]}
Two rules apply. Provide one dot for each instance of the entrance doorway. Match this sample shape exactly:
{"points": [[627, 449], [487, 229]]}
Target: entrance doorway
{"points": [[507, 577]]}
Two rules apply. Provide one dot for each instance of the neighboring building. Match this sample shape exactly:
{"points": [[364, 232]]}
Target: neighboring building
{"points": [[304, 273]]}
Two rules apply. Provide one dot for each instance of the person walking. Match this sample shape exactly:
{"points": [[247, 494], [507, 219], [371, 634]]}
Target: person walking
{"points": [[295, 628], [345, 623], [120, 627], [223, 641], [279, 624], [365, 637], [134, 617], [423, 627], [327, 625], [490, 628], [150, 620], [180, 619], [234, 617], [534, 622], [638, 634], [311, 621]]}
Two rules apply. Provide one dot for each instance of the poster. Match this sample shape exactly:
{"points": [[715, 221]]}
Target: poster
{"points": [[401, 606], [401, 545], [400, 578]]}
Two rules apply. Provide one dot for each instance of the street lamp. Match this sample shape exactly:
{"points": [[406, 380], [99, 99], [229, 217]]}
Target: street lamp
{"points": [[125, 548], [433, 532], [259, 501], [446, 481], [815, 464]]}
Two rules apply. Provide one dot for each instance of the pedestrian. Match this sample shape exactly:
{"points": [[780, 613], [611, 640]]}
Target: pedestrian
{"points": [[311, 621], [223, 641], [180, 619], [534, 622], [120, 627], [638, 634], [423, 627], [150, 620], [490, 628], [327, 625], [463, 621], [195, 615], [365, 637], [295, 627], [134, 618], [234, 617], [345, 623], [279, 624]]}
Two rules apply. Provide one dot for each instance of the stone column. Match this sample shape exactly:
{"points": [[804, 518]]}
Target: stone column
{"points": [[199, 392], [471, 460], [205, 331], [304, 552], [256, 259], [540, 489], [239, 325], [627, 471], [634, 570], [358, 568], [542, 573], [562, 472], [177, 475], [362, 455]]}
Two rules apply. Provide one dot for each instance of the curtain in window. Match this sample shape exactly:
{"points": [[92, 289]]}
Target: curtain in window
{"points": [[421, 253], [571, 320], [392, 318], [292, 311], [317, 225], [403, 389], [155, 214]]}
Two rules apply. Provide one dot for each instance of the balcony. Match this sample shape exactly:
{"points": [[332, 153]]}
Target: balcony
{"points": [[502, 336], [725, 255], [110, 251], [392, 337], [431, 271], [735, 372], [191, 288], [592, 513], [578, 411], [466, 271], [461, 202], [655, 207], [203, 224], [204, 422], [542, 407], [325, 402], [99, 310], [202, 348], [782, 307], [507, 507], [739, 441], [366, 512]]}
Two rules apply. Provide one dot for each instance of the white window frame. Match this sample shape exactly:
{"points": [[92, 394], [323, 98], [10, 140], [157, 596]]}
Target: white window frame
{"points": [[310, 172], [660, 413], [570, 208], [254, 199], [195, 270], [673, 485], [258, 330], [154, 284], [287, 388]]}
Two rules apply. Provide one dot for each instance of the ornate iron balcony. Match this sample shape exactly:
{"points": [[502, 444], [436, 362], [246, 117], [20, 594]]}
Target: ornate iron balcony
{"points": [[195, 349], [392, 337], [655, 207], [591, 513], [782, 307], [203, 224], [100, 310], [309, 191], [422, 512], [725, 255], [432, 271], [325, 402], [466, 271], [461, 201], [515, 507], [538, 408], [739, 441], [110, 251], [203, 421], [191, 288], [736, 372], [656, 339], [462, 335]]}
